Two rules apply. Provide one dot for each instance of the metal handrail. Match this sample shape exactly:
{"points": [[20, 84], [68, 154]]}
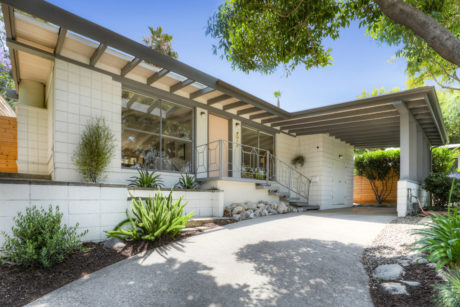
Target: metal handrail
{"points": [[227, 159]]}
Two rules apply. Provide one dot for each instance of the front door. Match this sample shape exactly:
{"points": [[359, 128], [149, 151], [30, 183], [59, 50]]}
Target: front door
{"points": [[218, 156]]}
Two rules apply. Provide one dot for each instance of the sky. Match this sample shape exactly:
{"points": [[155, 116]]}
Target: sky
{"points": [[360, 63]]}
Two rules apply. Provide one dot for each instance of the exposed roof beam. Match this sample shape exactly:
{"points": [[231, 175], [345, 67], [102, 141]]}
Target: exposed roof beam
{"points": [[365, 124], [97, 54], [393, 113], [201, 92], [130, 66], [153, 106], [180, 85], [234, 105], [271, 120], [392, 133], [157, 76], [218, 99], [248, 111], [338, 115], [261, 115], [60, 40], [131, 101]]}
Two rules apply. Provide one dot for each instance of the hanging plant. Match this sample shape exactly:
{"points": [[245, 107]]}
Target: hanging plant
{"points": [[298, 160]]}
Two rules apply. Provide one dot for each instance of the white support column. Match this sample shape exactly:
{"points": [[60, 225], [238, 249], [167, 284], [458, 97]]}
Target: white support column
{"points": [[201, 139], [236, 148]]}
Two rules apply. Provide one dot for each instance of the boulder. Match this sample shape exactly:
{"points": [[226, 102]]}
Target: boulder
{"points": [[388, 271], [261, 205], [250, 205], [411, 283], [264, 212], [247, 214], [394, 288], [237, 217], [272, 211], [227, 212], [257, 213], [234, 205], [274, 206], [282, 208], [237, 210], [114, 243]]}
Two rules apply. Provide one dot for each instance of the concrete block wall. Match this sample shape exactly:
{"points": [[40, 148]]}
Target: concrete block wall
{"points": [[82, 94], [33, 149], [95, 207], [405, 205]]}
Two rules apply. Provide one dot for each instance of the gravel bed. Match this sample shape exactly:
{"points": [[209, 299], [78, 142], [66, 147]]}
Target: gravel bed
{"points": [[394, 245]]}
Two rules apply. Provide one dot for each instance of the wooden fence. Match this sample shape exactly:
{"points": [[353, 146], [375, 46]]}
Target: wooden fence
{"points": [[363, 194], [8, 144]]}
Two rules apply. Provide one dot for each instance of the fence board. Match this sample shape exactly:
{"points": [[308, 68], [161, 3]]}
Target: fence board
{"points": [[363, 194], [8, 144]]}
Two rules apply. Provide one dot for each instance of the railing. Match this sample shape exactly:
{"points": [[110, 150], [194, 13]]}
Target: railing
{"points": [[225, 159]]}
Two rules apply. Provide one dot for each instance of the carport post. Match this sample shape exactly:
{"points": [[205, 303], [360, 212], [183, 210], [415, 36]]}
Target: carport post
{"points": [[415, 161]]}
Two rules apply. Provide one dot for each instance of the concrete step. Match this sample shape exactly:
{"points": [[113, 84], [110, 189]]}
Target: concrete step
{"points": [[263, 186], [304, 205]]}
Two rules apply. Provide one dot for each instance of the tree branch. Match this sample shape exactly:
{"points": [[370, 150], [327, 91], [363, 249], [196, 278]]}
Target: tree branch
{"points": [[442, 85], [453, 75], [437, 36], [281, 14]]}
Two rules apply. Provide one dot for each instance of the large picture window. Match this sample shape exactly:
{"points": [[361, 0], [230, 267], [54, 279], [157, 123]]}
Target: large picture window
{"points": [[156, 134], [254, 154]]}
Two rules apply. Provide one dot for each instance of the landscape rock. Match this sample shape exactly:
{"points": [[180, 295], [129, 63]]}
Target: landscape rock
{"points": [[404, 262], [234, 205], [257, 212], [227, 212], [237, 217], [114, 243], [237, 210], [411, 283], [388, 271], [264, 212], [394, 288], [272, 211], [274, 206], [282, 208], [250, 205], [261, 205]]}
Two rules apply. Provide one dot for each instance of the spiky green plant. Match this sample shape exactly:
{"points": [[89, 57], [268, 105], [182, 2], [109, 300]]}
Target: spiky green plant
{"points": [[187, 182], [152, 218], [95, 150], [146, 179], [448, 294], [441, 239]]}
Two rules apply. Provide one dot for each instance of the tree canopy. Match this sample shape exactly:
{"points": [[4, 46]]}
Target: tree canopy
{"points": [[262, 35], [159, 41]]}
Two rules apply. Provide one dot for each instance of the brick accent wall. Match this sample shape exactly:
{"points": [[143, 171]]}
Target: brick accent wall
{"points": [[8, 144]]}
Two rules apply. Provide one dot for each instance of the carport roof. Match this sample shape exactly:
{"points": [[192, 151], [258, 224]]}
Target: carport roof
{"points": [[58, 34]]}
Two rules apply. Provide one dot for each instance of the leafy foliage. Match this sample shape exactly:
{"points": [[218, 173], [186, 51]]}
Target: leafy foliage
{"points": [[443, 159], [152, 219], [146, 179], [187, 182], [379, 167], [448, 294], [161, 42], [441, 239], [377, 92], [261, 35], [40, 239], [450, 108], [439, 185], [96, 149], [298, 160]]}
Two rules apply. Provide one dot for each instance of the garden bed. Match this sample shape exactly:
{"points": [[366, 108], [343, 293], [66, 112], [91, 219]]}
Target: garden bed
{"points": [[19, 285], [394, 246]]}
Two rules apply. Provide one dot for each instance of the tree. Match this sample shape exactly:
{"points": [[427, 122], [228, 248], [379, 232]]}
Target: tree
{"points": [[261, 35], [277, 95], [377, 92], [159, 41], [6, 75]]}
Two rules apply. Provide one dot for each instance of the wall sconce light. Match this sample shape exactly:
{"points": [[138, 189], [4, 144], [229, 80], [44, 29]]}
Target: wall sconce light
{"points": [[340, 156], [237, 124], [317, 147], [202, 113]]}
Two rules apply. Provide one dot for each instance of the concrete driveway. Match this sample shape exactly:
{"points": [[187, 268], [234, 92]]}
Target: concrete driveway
{"points": [[287, 260]]}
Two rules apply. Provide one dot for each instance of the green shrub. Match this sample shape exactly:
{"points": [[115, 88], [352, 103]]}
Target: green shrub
{"points": [[439, 185], [152, 218], [146, 179], [379, 167], [443, 159], [40, 239], [441, 239], [187, 182], [448, 294], [95, 150], [298, 160]]}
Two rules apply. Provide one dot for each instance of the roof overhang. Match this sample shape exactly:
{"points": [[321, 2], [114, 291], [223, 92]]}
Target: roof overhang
{"points": [[47, 32]]}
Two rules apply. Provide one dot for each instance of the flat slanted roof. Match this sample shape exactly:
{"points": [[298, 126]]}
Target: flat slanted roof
{"points": [[53, 33]]}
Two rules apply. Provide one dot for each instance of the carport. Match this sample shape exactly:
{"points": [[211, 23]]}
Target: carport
{"points": [[408, 119]]}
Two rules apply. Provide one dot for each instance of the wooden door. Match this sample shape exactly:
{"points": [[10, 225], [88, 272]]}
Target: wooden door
{"points": [[218, 130]]}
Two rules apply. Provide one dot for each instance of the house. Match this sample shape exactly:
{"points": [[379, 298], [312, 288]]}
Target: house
{"points": [[173, 118]]}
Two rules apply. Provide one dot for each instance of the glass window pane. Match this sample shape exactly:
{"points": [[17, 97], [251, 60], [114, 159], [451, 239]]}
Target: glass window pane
{"points": [[249, 137], [177, 121], [266, 142], [140, 150], [177, 155]]}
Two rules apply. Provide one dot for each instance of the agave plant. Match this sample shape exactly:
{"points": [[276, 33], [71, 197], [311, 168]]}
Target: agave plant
{"points": [[441, 239], [146, 179], [187, 182], [152, 218]]}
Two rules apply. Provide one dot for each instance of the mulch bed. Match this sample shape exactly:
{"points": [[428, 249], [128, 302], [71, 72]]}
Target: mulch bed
{"points": [[418, 296], [20, 285]]}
